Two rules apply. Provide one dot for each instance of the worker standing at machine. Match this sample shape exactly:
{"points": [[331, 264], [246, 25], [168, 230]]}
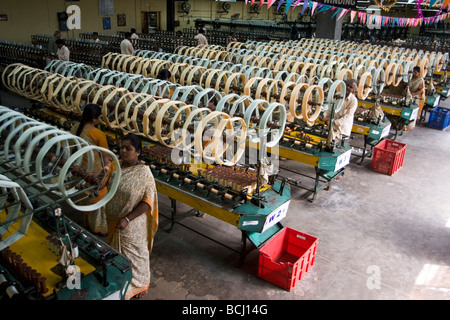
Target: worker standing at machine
{"points": [[95, 37], [132, 215], [52, 47], [63, 52], [416, 87], [343, 118], [126, 47], [416, 90], [87, 129], [201, 39], [232, 37], [165, 75], [134, 34]]}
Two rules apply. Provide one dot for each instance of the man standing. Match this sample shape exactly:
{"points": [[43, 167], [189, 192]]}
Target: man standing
{"points": [[232, 37], [95, 37], [63, 52], [133, 34], [126, 47], [52, 47], [343, 119], [202, 41]]}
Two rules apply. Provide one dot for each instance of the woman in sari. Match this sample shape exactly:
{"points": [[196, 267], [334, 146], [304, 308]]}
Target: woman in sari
{"points": [[132, 215], [416, 91], [416, 87], [413, 91], [87, 129], [164, 74]]}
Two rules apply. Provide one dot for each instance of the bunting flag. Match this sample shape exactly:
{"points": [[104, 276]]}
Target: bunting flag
{"points": [[270, 3], [295, 5], [324, 8], [305, 5], [344, 12], [352, 16], [288, 5], [313, 8], [364, 18], [379, 18], [337, 11]]}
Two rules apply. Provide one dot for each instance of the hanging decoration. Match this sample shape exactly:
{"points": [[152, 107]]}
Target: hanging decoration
{"points": [[364, 17], [305, 5], [313, 8], [352, 16], [385, 5], [420, 13], [298, 1], [344, 4], [269, 3], [288, 5]]}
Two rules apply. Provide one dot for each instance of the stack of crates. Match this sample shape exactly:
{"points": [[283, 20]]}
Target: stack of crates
{"points": [[388, 156], [286, 257], [439, 118]]}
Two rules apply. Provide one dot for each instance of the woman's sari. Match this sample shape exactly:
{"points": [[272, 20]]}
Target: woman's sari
{"points": [[136, 240], [96, 219], [415, 85]]}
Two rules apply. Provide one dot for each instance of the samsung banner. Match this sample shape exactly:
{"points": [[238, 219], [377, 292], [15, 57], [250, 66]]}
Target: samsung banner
{"points": [[347, 4]]}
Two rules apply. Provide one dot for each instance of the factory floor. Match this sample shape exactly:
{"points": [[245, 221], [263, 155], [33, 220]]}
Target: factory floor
{"points": [[380, 237], [370, 226]]}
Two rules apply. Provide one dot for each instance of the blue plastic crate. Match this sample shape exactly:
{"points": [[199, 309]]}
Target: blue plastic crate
{"points": [[439, 118]]}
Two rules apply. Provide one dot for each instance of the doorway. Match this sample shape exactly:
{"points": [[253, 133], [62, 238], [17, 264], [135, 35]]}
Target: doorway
{"points": [[151, 21]]}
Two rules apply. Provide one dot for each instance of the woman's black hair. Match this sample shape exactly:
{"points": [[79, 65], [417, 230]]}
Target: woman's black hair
{"points": [[136, 142], [416, 68], [90, 112], [164, 74]]}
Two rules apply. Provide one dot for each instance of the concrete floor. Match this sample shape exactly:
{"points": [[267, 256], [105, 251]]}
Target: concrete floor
{"points": [[369, 224], [394, 229]]}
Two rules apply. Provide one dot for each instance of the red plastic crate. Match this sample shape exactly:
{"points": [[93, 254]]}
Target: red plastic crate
{"points": [[286, 257], [388, 156]]}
